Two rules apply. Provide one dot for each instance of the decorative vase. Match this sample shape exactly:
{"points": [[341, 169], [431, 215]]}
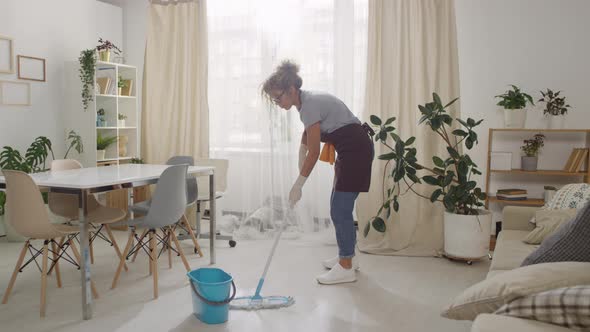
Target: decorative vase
{"points": [[121, 123], [514, 118], [467, 236], [104, 55], [556, 121], [123, 145], [529, 163], [100, 154]]}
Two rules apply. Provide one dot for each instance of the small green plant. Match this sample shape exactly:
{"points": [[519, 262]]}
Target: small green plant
{"points": [[101, 112], [514, 99], [554, 105], [121, 116], [137, 161], [451, 175], [532, 146], [102, 143], [121, 83], [87, 61], [105, 45]]}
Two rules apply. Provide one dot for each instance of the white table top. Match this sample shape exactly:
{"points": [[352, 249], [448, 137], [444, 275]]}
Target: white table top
{"points": [[94, 177]]}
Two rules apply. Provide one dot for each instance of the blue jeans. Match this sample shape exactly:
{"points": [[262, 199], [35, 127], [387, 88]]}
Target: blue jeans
{"points": [[341, 206]]}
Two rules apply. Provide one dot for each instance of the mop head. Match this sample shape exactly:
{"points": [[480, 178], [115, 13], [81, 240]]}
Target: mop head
{"points": [[265, 302]]}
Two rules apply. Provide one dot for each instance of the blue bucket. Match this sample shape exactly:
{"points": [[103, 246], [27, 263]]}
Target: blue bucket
{"points": [[211, 294]]}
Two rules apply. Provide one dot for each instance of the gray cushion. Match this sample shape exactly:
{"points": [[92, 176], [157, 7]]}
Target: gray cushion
{"points": [[569, 243]]}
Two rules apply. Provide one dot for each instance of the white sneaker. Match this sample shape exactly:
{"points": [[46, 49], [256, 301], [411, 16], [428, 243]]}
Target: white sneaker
{"points": [[330, 263], [337, 275]]}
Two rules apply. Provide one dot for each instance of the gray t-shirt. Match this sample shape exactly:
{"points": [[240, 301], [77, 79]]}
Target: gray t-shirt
{"points": [[330, 111]]}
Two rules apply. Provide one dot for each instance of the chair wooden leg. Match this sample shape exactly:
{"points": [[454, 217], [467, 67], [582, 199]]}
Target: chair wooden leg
{"points": [[91, 246], [19, 262], [154, 260], [179, 248], [115, 245], [122, 261], [169, 246], [44, 278], [192, 235], [79, 260], [56, 267], [140, 239]]}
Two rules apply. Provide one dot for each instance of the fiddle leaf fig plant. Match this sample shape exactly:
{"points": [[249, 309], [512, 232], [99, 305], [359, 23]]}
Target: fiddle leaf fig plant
{"points": [[451, 174]]}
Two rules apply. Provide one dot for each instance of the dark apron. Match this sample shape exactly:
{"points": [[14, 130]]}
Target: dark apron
{"points": [[355, 154]]}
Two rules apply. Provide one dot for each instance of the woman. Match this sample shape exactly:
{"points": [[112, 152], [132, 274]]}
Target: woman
{"points": [[327, 119]]}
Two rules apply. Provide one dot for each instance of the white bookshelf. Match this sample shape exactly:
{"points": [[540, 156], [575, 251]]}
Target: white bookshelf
{"points": [[85, 122]]}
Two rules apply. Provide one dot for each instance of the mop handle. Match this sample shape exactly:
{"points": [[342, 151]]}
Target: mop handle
{"points": [[272, 252]]}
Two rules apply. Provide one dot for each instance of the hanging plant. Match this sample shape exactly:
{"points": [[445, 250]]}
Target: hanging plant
{"points": [[87, 62]]}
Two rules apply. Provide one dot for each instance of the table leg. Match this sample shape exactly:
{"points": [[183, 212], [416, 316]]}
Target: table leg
{"points": [[85, 259], [212, 221]]}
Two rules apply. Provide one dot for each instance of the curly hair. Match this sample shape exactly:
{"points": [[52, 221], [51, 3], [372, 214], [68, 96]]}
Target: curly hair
{"points": [[285, 76]]}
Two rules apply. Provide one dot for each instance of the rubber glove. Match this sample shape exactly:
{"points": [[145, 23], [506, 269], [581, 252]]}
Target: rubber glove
{"points": [[295, 194], [302, 155]]}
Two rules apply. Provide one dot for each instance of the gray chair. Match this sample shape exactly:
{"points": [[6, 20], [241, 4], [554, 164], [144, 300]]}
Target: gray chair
{"points": [[165, 209], [191, 198]]}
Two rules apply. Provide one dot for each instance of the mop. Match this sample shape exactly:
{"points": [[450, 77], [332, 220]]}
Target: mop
{"points": [[257, 302]]}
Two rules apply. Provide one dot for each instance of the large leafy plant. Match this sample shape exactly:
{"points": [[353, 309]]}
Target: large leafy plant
{"points": [[35, 157], [104, 142], [451, 174], [514, 99]]}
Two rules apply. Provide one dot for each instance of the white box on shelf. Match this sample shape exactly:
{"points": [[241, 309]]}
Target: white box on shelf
{"points": [[501, 161]]}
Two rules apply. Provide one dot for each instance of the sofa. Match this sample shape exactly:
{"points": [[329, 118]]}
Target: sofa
{"points": [[509, 253]]}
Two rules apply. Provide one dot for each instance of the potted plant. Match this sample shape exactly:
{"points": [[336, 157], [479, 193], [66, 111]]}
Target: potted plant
{"points": [[102, 143], [121, 120], [34, 160], [531, 150], [104, 50], [100, 118], [467, 226], [555, 108], [514, 103], [87, 61], [121, 84]]}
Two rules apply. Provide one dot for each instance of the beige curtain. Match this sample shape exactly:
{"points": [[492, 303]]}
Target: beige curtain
{"points": [[175, 117], [412, 52]]}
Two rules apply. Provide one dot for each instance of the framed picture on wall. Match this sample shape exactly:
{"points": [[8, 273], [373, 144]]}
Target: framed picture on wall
{"points": [[6, 55], [31, 68], [14, 93]]}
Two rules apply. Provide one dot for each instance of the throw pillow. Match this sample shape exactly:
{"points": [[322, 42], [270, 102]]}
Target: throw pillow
{"points": [[568, 243], [569, 307], [489, 295], [547, 222], [570, 196]]}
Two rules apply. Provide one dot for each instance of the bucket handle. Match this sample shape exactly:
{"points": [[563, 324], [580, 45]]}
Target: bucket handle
{"points": [[215, 303]]}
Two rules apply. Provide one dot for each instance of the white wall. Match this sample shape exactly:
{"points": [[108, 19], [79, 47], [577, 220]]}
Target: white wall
{"points": [[56, 30], [535, 44]]}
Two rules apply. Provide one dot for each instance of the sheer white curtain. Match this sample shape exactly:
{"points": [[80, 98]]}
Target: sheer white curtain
{"points": [[247, 40]]}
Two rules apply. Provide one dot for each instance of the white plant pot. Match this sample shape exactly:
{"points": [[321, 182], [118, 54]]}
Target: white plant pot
{"points": [[121, 123], [556, 121], [514, 118], [100, 154], [467, 237]]}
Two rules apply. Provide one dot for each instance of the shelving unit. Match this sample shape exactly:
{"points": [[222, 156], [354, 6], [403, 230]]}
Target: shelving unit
{"points": [[535, 177], [85, 122]]}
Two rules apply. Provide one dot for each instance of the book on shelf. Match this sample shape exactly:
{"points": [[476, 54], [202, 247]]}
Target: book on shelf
{"points": [[512, 191], [512, 197], [576, 160]]}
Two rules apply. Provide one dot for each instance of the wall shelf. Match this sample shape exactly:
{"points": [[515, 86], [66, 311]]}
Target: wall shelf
{"points": [[532, 177]]}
